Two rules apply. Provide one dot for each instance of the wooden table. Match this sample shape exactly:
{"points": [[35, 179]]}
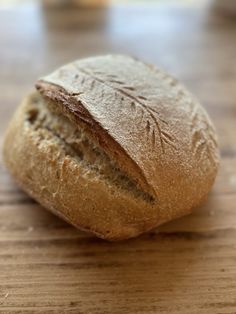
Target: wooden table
{"points": [[186, 266]]}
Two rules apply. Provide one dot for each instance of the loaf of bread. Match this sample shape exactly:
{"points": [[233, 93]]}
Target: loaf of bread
{"points": [[112, 145]]}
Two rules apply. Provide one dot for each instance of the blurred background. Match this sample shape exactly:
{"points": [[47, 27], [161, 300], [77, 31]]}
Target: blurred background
{"points": [[46, 264]]}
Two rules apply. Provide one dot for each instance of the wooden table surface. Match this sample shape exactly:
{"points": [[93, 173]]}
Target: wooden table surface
{"points": [[186, 266]]}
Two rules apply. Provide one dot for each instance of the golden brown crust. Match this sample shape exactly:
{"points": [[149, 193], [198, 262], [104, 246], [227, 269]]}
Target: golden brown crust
{"points": [[144, 120], [152, 119], [57, 181]]}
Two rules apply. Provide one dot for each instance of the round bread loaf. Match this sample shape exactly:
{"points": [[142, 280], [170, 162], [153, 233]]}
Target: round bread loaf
{"points": [[113, 145]]}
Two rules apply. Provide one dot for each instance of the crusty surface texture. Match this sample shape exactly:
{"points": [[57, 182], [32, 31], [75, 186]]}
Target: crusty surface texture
{"points": [[113, 145]]}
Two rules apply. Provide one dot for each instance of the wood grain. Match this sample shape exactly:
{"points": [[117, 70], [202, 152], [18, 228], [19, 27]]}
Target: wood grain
{"points": [[186, 266]]}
